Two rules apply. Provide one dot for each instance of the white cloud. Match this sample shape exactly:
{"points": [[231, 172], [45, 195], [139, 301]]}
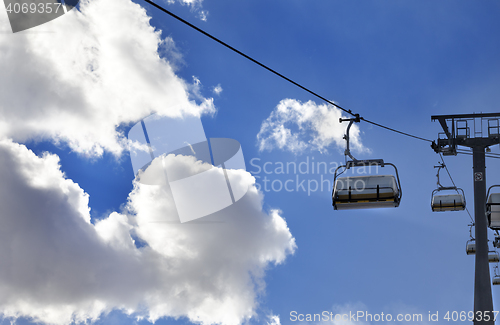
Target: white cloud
{"points": [[195, 5], [346, 311], [359, 313], [296, 127], [58, 268], [217, 89], [274, 320], [223, 258], [195, 91], [98, 68]]}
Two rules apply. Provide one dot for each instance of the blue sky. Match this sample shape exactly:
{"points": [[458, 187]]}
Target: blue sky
{"points": [[393, 62]]}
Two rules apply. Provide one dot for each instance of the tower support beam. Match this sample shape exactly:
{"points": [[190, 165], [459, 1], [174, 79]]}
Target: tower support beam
{"points": [[483, 301]]}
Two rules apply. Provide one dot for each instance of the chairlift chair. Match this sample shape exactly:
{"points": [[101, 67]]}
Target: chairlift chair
{"points": [[493, 209], [496, 242], [496, 278], [470, 247], [364, 192], [493, 257], [447, 202]]}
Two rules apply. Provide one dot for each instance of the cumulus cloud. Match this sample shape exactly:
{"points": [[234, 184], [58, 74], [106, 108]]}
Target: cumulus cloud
{"points": [[274, 320], [97, 69], [296, 127], [217, 89], [57, 267], [195, 5], [221, 258], [360, 313], [100, 68], [345, 310]]}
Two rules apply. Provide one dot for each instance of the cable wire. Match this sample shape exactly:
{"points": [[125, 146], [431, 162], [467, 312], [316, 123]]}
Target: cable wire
{"points": [[453, 182], [393, 130], [248, 57], [348, 111], [488, 155]]}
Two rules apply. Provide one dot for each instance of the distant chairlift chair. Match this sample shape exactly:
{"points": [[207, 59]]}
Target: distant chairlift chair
{"points": [[447, 202], [493, 257], [493, 209], [470, 247], [496, 278]]}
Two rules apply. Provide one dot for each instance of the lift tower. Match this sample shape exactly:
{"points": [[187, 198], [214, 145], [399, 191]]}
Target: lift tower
{"points": [[457, 133]]}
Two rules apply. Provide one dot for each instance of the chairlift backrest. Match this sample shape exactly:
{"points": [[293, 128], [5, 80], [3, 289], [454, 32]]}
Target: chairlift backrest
{"points": [[493, 210], [496, 242], [493, 257], [454, 201], [470, 247], [366, 192], [448, 202]]}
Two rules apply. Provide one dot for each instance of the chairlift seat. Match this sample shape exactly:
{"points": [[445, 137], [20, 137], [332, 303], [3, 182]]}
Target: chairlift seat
{"points": [[493, 257], [365, 192], [496, 242], [470, 249], [493, 211], [451, 202], [496, 280]]}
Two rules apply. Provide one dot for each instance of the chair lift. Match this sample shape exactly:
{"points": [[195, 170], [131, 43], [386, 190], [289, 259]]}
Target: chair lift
{"points": [[470, 246], [493, 257], [496, 278], [496, 241], [447, 202], [493, 209], [364, 192]]}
